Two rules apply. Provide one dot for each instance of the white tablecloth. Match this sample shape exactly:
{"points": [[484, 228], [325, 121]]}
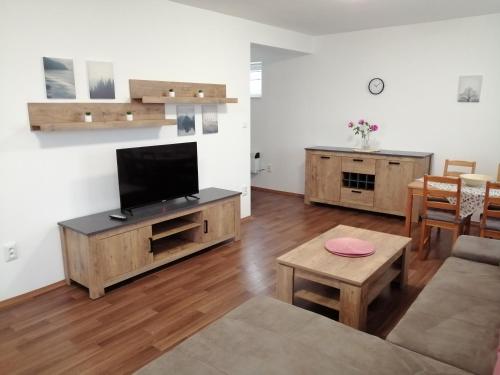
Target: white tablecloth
{"points": [[472, 198]]}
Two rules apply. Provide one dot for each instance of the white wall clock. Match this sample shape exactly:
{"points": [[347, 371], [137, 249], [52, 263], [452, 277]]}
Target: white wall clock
{"points": [[376, 86]]}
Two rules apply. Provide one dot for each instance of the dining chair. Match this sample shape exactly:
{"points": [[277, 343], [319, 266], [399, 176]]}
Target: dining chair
{"points": [[458, 163], [498, 173], [439, 212], [490, 220]]}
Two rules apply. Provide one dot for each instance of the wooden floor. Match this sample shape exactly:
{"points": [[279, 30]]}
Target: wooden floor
{"points": [[63, 331]]}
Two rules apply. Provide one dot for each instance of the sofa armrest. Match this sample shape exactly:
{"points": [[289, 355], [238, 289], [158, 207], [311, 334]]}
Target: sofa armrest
{"points": [[477, 249]]}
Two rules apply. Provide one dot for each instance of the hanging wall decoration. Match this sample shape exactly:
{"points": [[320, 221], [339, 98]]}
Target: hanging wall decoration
{"points": [[185, 120], [101, 80], [59, 78], [469, 89], [209, 117]]}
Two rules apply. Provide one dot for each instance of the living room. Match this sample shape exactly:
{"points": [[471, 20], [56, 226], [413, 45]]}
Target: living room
{"points": [[362, 87]]}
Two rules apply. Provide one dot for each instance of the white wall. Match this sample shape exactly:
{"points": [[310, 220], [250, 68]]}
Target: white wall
{"points": [[46, 178], [309, 100]]}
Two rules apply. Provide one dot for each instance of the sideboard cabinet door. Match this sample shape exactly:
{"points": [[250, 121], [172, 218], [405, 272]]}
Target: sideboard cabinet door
{"points": [[125, 252], [324, 177], [391, 182]]}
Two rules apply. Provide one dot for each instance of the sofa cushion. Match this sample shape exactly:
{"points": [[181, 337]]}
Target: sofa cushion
{"points": [[266, 336], [456, 318], [478, 249]]}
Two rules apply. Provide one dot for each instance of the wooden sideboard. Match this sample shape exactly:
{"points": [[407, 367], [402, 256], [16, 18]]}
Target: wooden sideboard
{"points": [[99, 252], [373, 181]]}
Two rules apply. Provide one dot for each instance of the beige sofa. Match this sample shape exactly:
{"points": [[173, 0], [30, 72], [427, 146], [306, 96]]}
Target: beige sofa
{"points": [[452, 328]]}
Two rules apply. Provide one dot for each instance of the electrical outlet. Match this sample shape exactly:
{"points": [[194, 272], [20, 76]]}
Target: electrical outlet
{"points": [[10, 251], [244, 190], [269, 169]]}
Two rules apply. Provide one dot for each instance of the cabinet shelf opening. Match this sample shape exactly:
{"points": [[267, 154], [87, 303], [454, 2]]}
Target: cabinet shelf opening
{"points": [[358, 181]]}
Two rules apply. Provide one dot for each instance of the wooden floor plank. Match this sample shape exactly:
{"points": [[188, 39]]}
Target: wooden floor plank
{"points": [[62, 331]]}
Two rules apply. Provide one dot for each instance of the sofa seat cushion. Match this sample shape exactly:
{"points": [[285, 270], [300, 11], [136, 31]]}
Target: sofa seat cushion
{"points": [[266, 336], [478, 249], [456, 318]]}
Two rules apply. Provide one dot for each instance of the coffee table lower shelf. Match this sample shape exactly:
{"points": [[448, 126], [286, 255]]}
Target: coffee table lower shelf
{"points": [[318, 297], [330, 297]]}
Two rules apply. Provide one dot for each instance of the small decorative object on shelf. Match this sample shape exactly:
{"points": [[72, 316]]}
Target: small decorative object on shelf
{"points": [[130, 116], [171, 93], [201, 94], [364, 129], [88, 117]]}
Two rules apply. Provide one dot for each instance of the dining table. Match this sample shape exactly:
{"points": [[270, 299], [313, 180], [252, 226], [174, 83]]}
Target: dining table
{"points": [[472, 199]]}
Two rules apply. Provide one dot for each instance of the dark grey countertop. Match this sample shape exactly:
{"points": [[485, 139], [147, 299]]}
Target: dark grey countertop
{"points": [[408, 154], [100, 222]]}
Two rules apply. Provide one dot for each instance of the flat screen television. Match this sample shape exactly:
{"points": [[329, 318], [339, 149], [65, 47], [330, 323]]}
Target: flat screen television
{"points": [[152, 174]]}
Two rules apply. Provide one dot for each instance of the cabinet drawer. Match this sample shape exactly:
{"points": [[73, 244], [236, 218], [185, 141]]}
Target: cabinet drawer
{"points": [[357, 196], [358, 165]]}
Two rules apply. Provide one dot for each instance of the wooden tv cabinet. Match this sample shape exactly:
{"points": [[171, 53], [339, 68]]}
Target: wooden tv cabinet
{"points": [[99, 252], [373, 181]]}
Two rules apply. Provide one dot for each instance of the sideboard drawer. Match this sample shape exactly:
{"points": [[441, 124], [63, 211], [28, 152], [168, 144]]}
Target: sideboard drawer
{"points": [[357, 196], [358, 165]]}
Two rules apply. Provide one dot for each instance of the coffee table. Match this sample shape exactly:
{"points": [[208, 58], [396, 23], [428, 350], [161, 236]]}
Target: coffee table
{"points": [[354, 282]]}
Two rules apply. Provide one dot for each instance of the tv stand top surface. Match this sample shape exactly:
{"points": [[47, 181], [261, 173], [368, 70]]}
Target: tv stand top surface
{"points": [[100, 222]]}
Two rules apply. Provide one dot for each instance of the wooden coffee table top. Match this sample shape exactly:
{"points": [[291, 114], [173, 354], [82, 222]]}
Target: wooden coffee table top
{"points": [[313, 257]]}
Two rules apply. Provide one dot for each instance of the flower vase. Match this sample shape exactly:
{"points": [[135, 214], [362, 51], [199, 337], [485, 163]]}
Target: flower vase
{"points": [[365, 142]]}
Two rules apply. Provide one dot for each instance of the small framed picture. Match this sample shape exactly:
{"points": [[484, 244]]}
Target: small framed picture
{"points": [[210, 121], [469, 89]]}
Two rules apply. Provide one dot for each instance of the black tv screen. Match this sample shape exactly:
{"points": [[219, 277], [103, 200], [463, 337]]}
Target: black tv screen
{"points": [[152, 174]]}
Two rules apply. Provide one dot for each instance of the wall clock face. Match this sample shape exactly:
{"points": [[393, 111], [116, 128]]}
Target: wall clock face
{"points": [[376, 86]]}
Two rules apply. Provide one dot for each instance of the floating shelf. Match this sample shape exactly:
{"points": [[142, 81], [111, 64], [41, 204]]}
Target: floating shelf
{"points": [[187, 100], [156, 92], [70, 116], [102, 125]]}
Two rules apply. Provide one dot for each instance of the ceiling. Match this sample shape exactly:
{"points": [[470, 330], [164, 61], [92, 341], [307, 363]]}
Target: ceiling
{"points": [[319, 17]]}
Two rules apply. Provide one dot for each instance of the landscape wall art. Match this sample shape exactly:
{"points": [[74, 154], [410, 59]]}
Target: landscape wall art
{"points": [[469, 89], [185, 120], [101, 80], [209, 119], [59, 78]]}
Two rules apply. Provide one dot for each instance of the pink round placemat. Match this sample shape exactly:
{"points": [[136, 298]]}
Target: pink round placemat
{"points": [[349, 247]]}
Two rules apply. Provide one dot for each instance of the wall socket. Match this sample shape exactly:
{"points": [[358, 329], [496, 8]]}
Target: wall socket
{"points": [[10, 251], [269, 168]]}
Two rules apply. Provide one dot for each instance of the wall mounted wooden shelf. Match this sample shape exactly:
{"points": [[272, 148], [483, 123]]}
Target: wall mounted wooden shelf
{"points": [[180, 100], [95, 125], [185, 92], [70, 116]]}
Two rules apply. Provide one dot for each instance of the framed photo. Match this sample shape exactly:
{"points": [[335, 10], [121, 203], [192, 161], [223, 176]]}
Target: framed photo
{"points": [[59, 78], [101, 80], [209, 119], [469, 89], [185, 120]]}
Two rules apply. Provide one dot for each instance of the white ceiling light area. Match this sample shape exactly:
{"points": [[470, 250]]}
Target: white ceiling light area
{"points": [[320, 17]]}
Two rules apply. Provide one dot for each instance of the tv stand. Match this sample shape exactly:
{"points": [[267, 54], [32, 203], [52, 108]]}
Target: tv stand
{"points": [[191, 196], [99, 252], [128, 211]]}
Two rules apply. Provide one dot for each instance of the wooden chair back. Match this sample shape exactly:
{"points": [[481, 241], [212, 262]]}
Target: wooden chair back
{"points": [[491, 204], [498, 174], [432, 192], [458, 163]]}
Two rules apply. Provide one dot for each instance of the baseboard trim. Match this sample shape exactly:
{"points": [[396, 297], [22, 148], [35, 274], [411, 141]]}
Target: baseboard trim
{"points": [[257, 188], [30, 295], [246, 219]]}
